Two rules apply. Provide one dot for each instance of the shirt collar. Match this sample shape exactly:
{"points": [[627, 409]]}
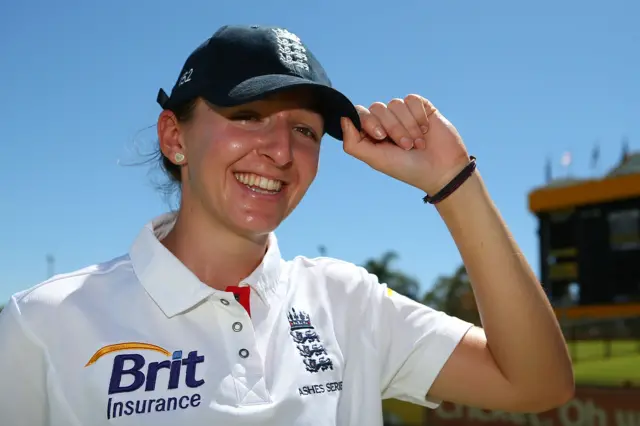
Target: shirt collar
{"points": [[173, 287]]}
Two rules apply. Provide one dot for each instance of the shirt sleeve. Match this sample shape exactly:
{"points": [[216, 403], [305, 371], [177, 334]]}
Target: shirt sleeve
{"points": [[413, 342], [23, 399]]}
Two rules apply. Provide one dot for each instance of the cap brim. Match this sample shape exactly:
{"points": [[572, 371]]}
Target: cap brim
{"points": [[331, 103]]}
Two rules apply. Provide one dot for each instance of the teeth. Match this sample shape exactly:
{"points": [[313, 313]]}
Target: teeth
{"points": [[255, 181]]}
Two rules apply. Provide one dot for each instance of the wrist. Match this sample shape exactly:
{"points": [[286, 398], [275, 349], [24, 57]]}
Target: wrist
{"points": [[434, 188], [453, 182], [465, 198]]}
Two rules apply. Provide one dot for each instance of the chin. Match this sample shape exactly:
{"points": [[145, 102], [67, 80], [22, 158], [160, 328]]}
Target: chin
{"points": [[255, 225]]}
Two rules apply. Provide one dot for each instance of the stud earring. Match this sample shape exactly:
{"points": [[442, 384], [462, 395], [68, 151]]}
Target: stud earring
{"points": [[179, 157]]}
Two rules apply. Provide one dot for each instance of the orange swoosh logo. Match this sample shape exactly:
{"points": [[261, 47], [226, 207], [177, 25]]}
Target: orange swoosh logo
{"points": [[125, 347]]}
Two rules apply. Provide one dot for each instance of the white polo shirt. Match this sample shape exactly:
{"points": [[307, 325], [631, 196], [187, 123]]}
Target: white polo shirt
{"points": [[140, 340]]}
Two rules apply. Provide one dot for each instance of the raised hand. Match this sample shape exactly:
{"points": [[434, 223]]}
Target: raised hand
{"points": [[407, 139]]}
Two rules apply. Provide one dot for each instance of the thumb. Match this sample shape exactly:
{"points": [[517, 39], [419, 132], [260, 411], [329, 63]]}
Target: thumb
{"points": [[350, 135]]}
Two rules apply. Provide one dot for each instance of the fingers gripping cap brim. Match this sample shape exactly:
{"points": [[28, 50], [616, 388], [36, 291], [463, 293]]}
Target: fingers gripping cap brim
{"points": [[331, 104]]}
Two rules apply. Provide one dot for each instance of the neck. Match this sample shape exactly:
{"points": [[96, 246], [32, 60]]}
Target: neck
{"points": [[217, 256]]}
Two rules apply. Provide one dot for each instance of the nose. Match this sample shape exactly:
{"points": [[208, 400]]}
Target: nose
{"points": [[276, 144]]}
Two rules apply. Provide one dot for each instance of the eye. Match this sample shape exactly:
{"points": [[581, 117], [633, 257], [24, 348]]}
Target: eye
{"points": [[249, 120], [247, 116], [307, 132]]}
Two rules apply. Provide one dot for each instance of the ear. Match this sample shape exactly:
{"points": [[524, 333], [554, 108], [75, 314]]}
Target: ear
{"points": [[170, 136]]}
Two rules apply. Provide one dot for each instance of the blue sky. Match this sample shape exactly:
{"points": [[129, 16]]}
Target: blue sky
{"points": [[520, 80]]}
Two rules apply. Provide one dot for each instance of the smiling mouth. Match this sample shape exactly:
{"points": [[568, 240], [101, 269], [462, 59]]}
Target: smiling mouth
{"points": [[259, 184]]}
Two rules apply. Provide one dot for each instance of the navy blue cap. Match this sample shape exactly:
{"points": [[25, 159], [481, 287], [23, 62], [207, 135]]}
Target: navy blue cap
{"points": [[241, 64]]}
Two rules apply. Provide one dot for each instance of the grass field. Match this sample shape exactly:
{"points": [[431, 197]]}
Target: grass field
{"points": [[592, 367]]}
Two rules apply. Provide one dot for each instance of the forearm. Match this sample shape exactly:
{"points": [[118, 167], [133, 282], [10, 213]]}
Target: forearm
{"points": [[521, 328]]}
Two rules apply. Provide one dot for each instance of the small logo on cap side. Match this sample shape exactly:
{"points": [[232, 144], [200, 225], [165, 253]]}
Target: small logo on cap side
{"points": [[290, 49], [186, 77]]}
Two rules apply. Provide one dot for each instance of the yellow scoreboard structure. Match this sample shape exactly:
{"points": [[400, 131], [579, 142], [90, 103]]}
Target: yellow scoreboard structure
{"points": [[589, 233]]}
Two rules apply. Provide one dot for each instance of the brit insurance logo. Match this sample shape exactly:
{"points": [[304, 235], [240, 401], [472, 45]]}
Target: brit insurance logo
{"points": [[308, 342], [170, 378]]}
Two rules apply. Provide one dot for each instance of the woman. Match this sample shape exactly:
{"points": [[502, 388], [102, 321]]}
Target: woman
{"points": [[203, 323]]}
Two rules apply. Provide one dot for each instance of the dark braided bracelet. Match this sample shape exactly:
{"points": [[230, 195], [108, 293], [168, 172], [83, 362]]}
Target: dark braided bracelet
{"points": [[454, 184]]}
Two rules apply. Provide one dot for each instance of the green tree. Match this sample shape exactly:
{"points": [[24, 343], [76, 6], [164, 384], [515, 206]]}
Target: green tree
{"points": [[395, 279], [453, 294]]}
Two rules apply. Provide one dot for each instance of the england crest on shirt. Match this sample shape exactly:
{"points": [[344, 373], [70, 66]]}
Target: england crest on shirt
{"points": [[304, 335]]}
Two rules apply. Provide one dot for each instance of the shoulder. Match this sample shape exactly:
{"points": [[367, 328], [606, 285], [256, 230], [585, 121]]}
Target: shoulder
{"points": [[333, 273], [44, 304], [334, 283]]}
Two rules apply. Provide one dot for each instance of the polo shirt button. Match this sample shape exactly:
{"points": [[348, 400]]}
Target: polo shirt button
{"points": [[243, 353], [237, 326], [224, 301]]}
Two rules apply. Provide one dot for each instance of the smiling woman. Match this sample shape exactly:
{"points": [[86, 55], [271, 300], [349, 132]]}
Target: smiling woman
{"points": [[270, 341], [222, 153]]}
